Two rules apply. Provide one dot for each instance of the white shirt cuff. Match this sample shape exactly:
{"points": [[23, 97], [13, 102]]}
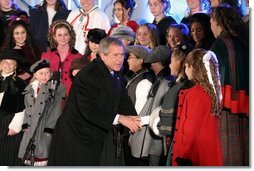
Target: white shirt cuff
{"points": [[17, 121], [144, 120], [116, 120]]}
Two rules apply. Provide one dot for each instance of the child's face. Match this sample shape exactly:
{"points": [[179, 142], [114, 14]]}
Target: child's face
{"points": [[94, 47], [174, 36], [174, 65], [197, 32], [193, 4], [5, 4], [156, 7], [8, 65], [62, 36], [51, 2], [134, 63], [43, 75], [189, 71], [19, 35], [143, 36], [120, 12]]}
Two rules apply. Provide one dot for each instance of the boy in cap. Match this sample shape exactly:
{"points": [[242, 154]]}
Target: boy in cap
{"points": [[152, 147], [42, 93], [138, 88], [11, 107]]}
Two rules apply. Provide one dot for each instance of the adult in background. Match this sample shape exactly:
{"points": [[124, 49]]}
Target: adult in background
{"points": [[85, 19], [62, 52], [232, 50], [160, 10], [122, 12], [97, 101], [41, 18]]}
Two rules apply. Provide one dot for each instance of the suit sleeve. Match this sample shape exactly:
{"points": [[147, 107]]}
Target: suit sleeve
{"points": [[92, 102]]}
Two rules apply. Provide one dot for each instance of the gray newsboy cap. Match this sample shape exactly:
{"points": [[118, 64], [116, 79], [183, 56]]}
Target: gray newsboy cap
{"points": [[43, 63], [123, 32], [138, 50], [159, 54]]}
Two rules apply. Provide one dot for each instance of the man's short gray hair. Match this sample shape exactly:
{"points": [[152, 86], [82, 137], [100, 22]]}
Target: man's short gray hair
{"points": [[106, 42]]}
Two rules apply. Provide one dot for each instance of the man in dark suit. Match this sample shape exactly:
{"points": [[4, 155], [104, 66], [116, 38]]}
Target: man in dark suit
{"points": [[98, 100]]}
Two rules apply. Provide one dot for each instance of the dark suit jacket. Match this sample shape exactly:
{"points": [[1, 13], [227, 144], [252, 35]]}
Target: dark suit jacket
{"points": [[92, 105]]}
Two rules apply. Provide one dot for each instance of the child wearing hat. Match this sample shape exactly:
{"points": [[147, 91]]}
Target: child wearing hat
{"points": [[151, 145], [42, 93], [138, 88], [94, 37], [11, 107]]}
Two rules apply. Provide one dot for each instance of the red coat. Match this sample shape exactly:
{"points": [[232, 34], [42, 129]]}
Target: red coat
{"points": [[64, 67], [196, 135]]}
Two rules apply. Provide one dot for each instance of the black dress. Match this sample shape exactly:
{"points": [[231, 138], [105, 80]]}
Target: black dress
{"points": [[12, 102]]}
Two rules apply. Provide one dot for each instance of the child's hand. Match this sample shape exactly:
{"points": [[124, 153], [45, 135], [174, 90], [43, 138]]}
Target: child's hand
{"points": [[11, 132]]}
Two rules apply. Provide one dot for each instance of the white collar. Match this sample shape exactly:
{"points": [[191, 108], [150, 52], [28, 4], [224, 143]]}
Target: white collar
{"points": [[6, 75]]}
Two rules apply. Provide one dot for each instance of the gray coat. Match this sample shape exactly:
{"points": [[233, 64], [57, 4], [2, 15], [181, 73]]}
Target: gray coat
{"points": [[33, 110], [145, 142]]}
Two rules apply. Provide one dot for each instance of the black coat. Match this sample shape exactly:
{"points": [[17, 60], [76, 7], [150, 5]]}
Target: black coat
{"points": [[39, 24], [87, 119]]}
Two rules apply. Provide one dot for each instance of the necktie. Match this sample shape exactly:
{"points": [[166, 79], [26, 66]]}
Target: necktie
{"points": [[115, 79]]}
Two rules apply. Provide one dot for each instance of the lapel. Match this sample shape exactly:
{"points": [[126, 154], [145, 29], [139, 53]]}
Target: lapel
{"points": [[108, 82]]}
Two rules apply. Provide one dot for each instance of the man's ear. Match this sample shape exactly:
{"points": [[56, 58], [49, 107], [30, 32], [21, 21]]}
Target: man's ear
{"points": [[103, 56]]}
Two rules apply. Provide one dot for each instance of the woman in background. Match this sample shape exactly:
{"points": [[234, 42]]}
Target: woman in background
{"points": [[232, 49], [122, 12]]}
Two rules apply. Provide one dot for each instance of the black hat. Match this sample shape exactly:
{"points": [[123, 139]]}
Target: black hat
{"points": [[138, 50], [159, 54], [44, 63], [96, 35], [12, 54]]}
